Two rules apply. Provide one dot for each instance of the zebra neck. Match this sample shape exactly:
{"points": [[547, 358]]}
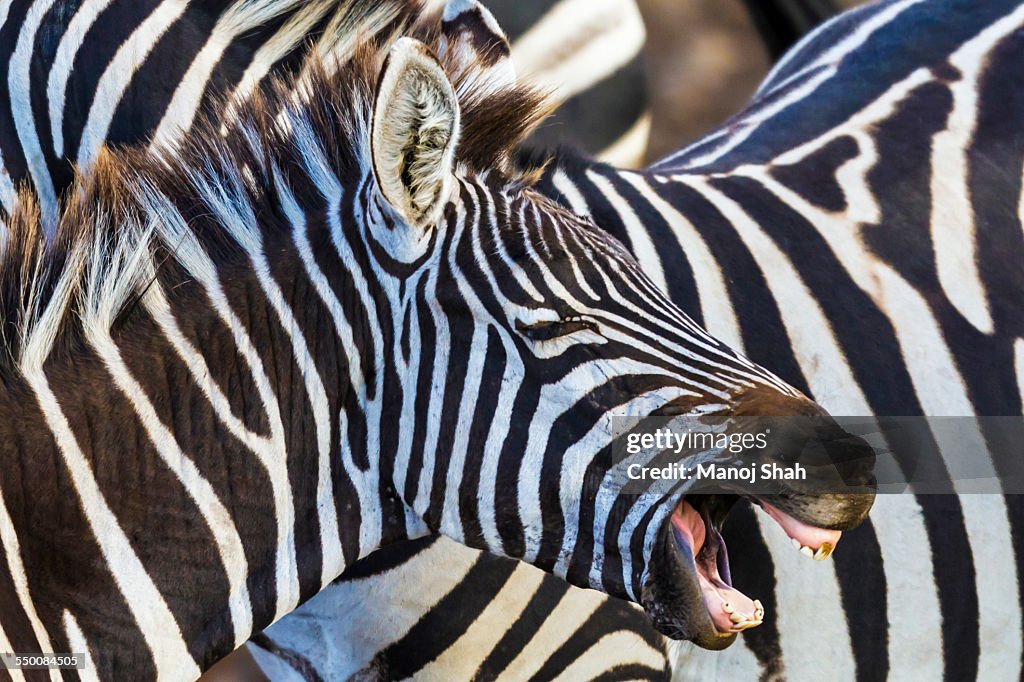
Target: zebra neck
{"points": [[214, 436]]}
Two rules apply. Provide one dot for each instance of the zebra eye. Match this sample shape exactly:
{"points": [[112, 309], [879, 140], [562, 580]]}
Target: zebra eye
{"points": [[546, 330]]}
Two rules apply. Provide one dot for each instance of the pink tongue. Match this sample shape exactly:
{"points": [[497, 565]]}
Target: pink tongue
{"points": [[717, 594], [808, 536]]}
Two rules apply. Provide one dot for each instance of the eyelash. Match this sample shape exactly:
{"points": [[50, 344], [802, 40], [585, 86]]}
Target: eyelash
{"points": [[548, 330]]}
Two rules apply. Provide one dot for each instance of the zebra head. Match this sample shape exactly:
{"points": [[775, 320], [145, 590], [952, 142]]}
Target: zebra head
{"points": [[530, 329]]}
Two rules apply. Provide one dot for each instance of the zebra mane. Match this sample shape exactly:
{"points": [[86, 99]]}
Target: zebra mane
{"points": [[137, 210]]}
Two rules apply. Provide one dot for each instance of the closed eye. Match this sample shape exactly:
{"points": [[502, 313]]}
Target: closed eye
{"points": [[547, 330]]}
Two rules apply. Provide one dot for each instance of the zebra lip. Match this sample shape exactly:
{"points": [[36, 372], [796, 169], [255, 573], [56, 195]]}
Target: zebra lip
{"points": [[730, 610], [811, 540]]}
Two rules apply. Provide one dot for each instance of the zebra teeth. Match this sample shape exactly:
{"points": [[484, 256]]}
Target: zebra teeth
{"points": [[727, 607], [758, 610], [746, 625], [807, 551], [796, 543], [823, 552], [738, 618]]}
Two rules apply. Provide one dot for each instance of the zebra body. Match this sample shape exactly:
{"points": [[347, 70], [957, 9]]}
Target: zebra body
{"points": [[845, 223]]}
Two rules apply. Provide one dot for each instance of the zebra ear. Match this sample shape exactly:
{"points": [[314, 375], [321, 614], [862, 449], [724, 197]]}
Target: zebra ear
{"points": [[474, 48], [414, 132]]}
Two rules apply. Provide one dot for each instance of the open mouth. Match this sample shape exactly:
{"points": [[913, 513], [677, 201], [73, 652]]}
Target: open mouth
{"points": [[689, 594], [696, 524]]}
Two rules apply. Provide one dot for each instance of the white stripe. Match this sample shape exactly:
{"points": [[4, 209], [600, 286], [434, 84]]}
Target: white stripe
{"points": [[814, 344], [118, 75], [242, 17], [333, 559], [746, 125], [7, 193], [912, 599], [195, 260], [836, 53], [339, 615], [999, 607], [572, 193], [1018, 354], [242, 227], [952, 224], [19, 83], [275, 49], [64, 62], [12, 551], [497, 433], [171, 656], [451, 520], [623, 647], [572, 611], [935, 377], [463, 658], [7, 647], [78, 645]]}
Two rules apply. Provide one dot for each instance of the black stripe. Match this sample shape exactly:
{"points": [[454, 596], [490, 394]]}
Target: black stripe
{"points": [[765, 339], [679, 277], [440, 627], [54, 534], [523, 629], [753, 573], [101, 42], [863, 590]]}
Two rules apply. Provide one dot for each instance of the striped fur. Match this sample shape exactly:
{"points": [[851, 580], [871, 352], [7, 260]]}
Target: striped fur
{"points": [[842, 224], [346, 410]]}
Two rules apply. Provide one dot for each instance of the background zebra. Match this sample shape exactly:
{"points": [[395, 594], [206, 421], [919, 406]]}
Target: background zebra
{"points": [[83, 74]]}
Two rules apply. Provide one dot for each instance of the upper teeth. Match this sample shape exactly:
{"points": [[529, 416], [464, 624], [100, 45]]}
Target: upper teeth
{"points": [[819, 554]]}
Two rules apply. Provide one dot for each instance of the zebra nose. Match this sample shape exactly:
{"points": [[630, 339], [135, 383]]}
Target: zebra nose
{"points": [[802, 431]]}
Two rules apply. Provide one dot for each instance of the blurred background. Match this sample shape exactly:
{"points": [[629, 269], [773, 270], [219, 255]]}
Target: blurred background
{"points": [[643, 78]]}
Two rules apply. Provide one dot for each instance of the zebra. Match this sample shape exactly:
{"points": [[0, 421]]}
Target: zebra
{"points": [[375, 189], [742, 227]]}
